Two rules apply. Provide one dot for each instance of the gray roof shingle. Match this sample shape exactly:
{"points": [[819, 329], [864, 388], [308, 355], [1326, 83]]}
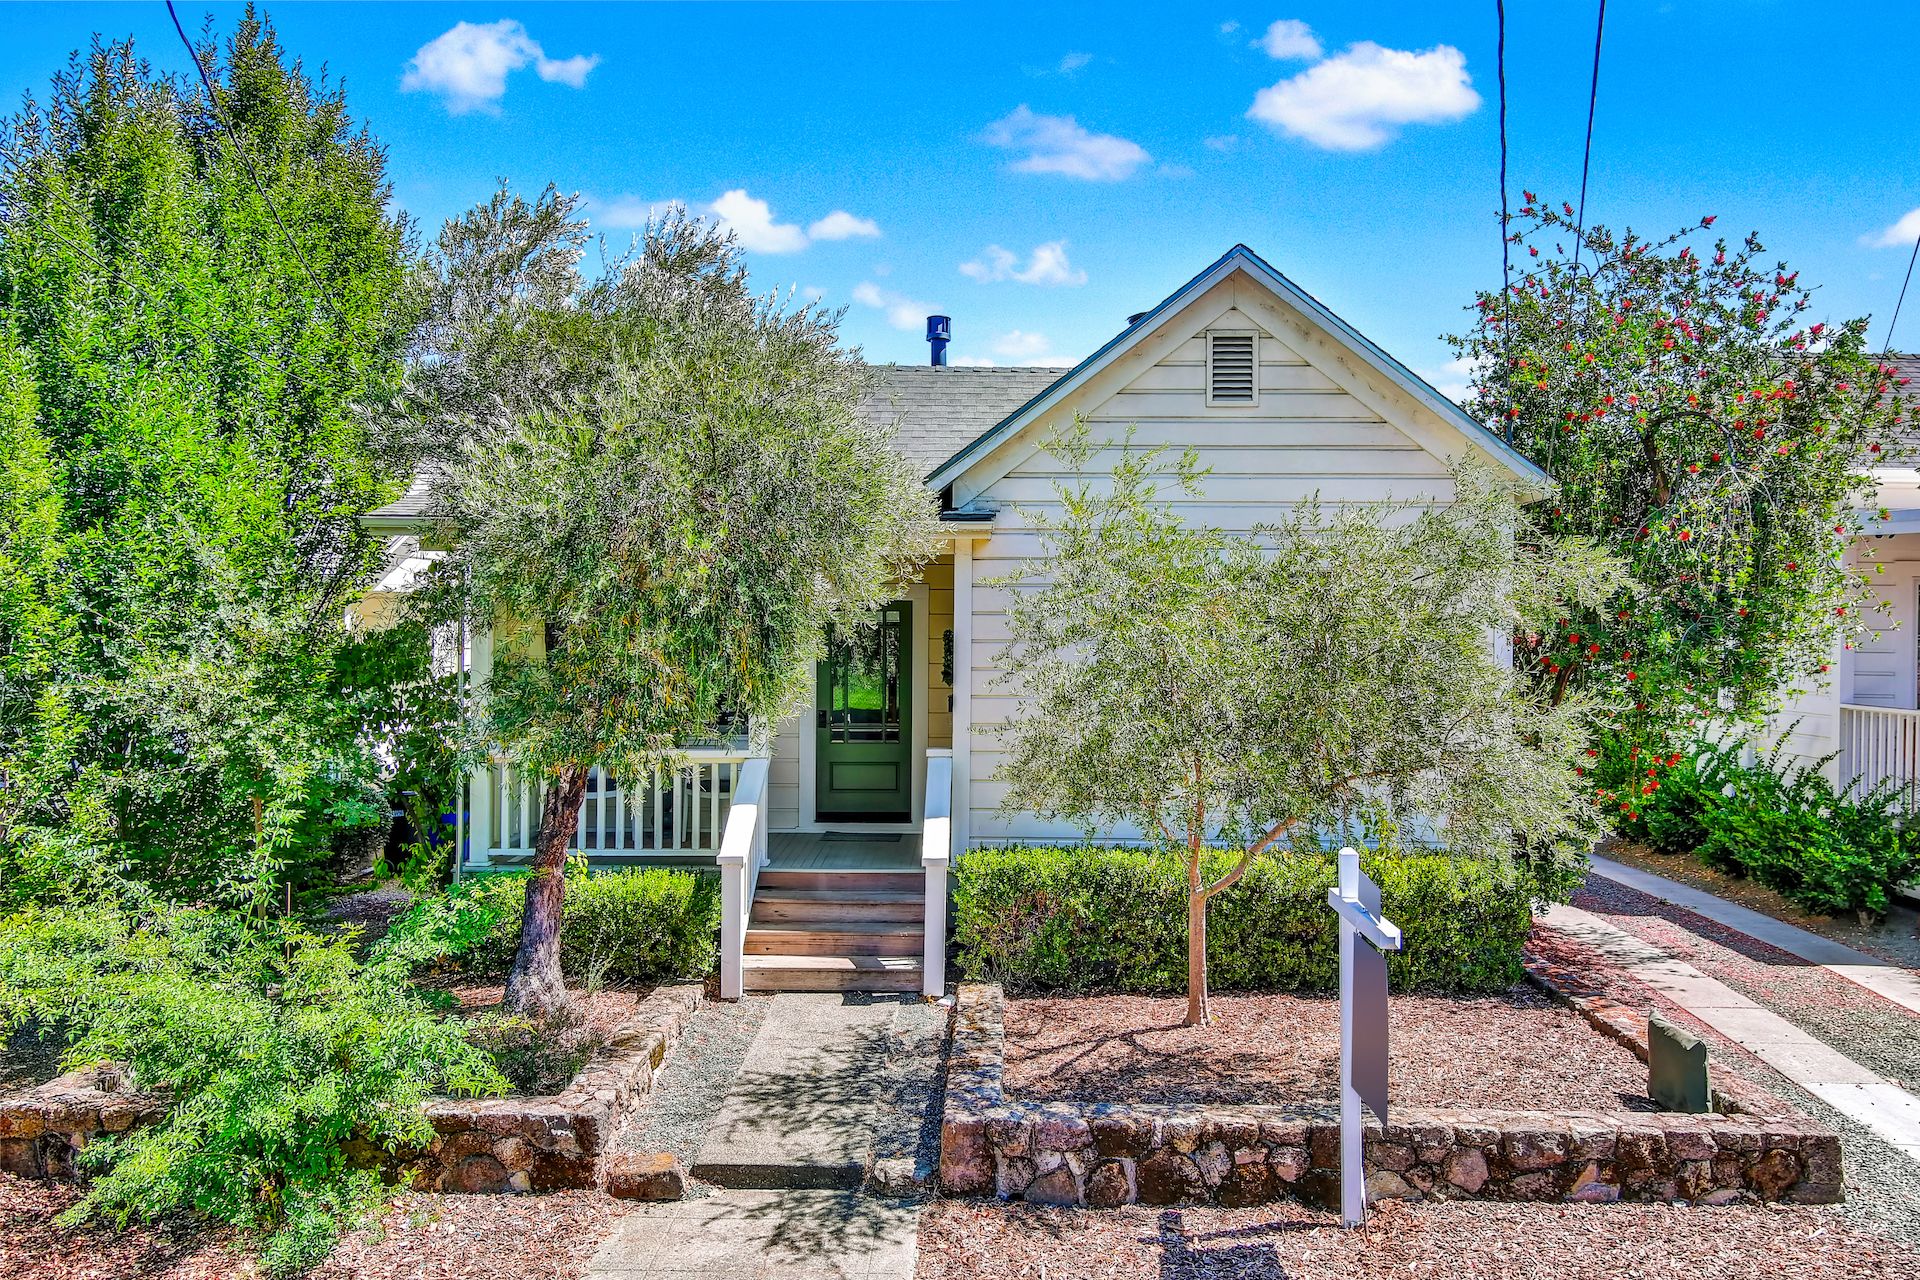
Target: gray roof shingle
{"points": [[939, 411], [935, 413]]}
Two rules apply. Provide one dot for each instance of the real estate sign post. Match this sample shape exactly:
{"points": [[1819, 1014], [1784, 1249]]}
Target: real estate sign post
{"points": [[1363, 1022]]}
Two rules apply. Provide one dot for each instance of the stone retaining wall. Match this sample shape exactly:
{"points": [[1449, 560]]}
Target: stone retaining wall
{"points": [[1103, 1155], [559, 1142], [480, 1144], [43, 1128]]}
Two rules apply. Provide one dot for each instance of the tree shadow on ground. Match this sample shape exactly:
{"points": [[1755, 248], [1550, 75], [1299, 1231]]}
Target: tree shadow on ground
{"points": [[1241, 1253]]}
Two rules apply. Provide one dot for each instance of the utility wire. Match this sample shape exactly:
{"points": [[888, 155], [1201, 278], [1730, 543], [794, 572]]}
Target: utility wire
{"points": [[1586, 155], [1901, 300], [1506, 263], [213, 105]]}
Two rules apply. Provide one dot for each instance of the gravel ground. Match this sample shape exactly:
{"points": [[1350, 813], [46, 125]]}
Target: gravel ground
{"points": [[971, 1240], [1517, 1050], [435, 1237], [182, 1249], [27, 1059], [1883, 1184], [1895, 939], [676, 1115], [1872, 1031]]}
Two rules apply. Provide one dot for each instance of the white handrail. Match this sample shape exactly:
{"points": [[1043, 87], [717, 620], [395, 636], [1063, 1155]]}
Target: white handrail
{"points": [[680, 811], [936, 853], [743, 851], [1880, 745]]}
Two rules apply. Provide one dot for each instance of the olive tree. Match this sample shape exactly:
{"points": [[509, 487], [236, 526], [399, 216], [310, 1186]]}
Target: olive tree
{"points": [[1333, 673], [658, 491]]}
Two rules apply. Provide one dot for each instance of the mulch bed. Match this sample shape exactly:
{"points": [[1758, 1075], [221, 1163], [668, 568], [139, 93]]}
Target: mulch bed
{"points": [[180, 1249], [605, 1011], [1520, 1050], [436, 1237], [971, 1240]]}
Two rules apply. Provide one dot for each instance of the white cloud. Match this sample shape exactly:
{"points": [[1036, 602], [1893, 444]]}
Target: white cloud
{"points": [[1221, 142], [1047, 264], [841, 225], [1228, 27], [468, 65], [1059, 144], [902, 312], [1455, 379], [751, 222], [1353, 102], [1021, 345], [1074, 62], [1898, 236], [1290, 39], [626, 212]]}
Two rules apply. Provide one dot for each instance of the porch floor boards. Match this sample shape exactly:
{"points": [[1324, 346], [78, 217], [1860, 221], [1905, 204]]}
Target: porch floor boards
{"points": [[843, 851]]}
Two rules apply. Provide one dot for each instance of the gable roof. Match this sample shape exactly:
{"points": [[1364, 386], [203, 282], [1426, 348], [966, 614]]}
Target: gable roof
{"points": [[1241, 258], [936, 411]]}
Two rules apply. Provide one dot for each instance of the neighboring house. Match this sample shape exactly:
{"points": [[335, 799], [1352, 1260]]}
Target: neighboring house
{"points": [[894, 764], [1863, 718]]}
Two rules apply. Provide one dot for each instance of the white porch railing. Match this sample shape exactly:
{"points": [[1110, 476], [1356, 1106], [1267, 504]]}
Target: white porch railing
{"points": [[682, 812], [743, 851], [1880, 745], [936, 854]]}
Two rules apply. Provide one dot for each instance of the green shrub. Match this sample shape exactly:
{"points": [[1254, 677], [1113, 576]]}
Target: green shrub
{"points": [[1783, 826], [632, 926], [276, 1046], [1091, 918]]}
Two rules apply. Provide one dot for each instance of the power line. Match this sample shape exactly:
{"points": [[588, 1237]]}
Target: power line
{"points": [[1506, 263], [1586, 155], [1901, 300], [213, 105]]}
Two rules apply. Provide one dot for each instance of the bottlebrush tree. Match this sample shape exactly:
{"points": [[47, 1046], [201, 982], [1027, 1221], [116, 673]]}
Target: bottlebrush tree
{"points": [[1708, 431]]}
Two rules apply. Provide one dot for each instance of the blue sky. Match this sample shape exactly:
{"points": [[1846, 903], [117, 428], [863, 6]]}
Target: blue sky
{"points": [[1038, 171]]}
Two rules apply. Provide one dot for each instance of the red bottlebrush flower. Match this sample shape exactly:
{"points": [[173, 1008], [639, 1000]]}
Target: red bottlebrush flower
{"points": [[1686, 535], [1529, 196], [1673, 760], [1567, 207], [1633, 675], [1792, 565], [1716, 457], [1593, 650], [1841, 611], [1823, 668], [1693, 468], [1817, 330], [1843, 386], [1873, 448], [1708, 220], [1743, 611], [1606, 399], [1573, 639], [1592, 752], [1720, 258]]}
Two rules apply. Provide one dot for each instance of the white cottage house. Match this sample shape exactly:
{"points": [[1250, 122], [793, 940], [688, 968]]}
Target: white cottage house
{"points": [[834, 848]]}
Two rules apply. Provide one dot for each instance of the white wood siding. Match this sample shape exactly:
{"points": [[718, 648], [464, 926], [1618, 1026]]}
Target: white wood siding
{"points": [[1305, 437]]}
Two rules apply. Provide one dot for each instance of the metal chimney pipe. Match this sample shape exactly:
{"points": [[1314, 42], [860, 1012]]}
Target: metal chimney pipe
{"points": [[939, 333]]}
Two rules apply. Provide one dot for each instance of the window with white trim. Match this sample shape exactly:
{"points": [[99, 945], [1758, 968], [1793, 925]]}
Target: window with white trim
{"points": [[1233, 367]]}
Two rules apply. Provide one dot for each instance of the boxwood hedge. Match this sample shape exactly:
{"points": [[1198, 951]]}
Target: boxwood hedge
{"points": [[1091, 918]]}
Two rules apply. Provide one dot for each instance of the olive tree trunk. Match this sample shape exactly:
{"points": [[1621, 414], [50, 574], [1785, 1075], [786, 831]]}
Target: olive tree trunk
{"points": [[535, 987], [1198, 1011]]}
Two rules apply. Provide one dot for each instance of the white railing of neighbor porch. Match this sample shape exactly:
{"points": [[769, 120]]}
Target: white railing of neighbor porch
{"points": [[743, 851], [1880, 745], [682, 811], [936, 854]]}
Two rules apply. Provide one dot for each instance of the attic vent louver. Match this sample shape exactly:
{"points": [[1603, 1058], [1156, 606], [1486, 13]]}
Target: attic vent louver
{"points": [[1233, 367]]}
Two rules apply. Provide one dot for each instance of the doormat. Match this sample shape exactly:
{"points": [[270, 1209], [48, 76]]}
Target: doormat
{"points": [[863, 837]]}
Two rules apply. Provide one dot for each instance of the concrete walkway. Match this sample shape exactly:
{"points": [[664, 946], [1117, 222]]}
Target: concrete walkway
{"points": [[835, 1092], [763, 1235], [1889, 981], [1869, 1099]]}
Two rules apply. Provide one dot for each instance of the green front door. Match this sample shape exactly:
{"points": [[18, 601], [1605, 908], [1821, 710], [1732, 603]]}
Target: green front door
{"points": [[864, 726]]}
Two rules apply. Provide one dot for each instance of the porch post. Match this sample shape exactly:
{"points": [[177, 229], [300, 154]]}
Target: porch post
{"points": [[962, 803]]}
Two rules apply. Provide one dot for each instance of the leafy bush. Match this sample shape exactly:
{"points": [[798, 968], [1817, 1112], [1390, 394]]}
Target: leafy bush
{"points": [[1090, 918], [279, 1049], [1783, 826], [636, 925]]}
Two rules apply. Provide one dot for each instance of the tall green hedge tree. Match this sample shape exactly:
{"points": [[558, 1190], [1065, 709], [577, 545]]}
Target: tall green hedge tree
{"points": [[201, 349], [1331, 677], [1710, 432], [658, 491]]}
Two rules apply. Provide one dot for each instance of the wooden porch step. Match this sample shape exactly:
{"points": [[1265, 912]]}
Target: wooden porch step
{"points": [[830, 973], [842, 881], [837, 938], [794, 905]]}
